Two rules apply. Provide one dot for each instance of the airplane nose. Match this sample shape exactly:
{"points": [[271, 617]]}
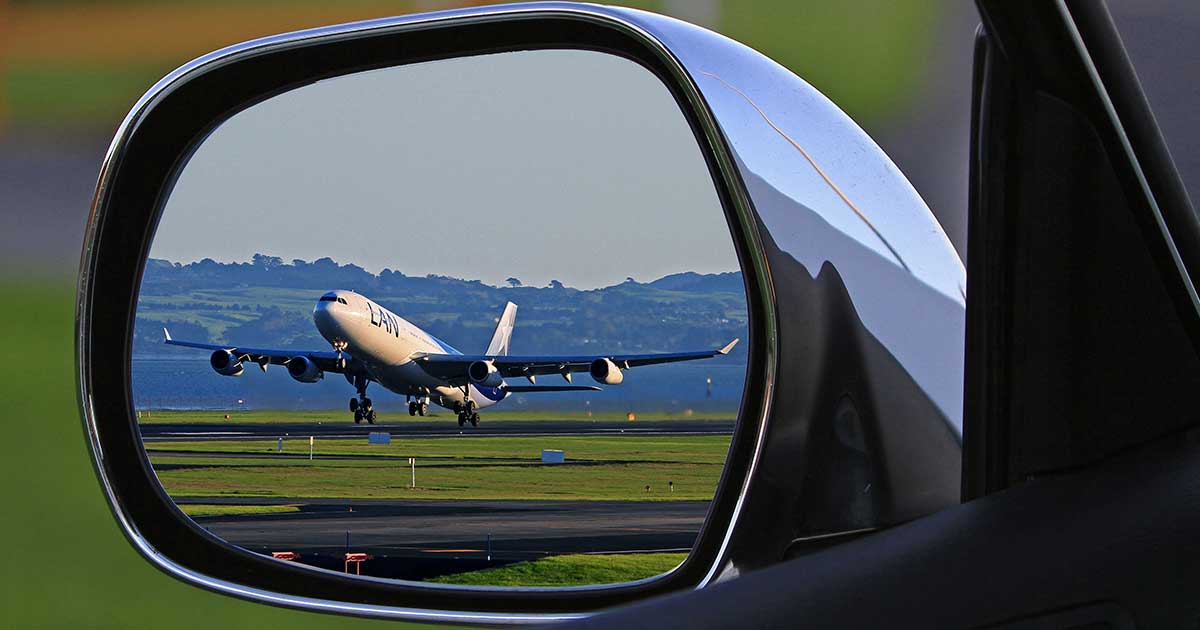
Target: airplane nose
{"points": [[325, 317]]}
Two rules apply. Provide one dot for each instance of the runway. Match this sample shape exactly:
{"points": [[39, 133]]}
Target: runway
{"points": [[418, 539], [415, 540], [436, 428]]}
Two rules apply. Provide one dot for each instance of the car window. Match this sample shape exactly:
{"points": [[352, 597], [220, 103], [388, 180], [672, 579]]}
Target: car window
{"points": [[1160, 38]]}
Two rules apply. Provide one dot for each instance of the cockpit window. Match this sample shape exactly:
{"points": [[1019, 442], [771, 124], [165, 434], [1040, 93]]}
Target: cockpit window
{"points": [[342, 301], [332, 298]]}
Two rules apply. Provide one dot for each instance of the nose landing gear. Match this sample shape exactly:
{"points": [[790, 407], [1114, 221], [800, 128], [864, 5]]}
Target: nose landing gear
{"points": [[339, 346]]}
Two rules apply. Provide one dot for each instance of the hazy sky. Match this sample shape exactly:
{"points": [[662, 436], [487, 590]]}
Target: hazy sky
{"points": [[568, 165]]}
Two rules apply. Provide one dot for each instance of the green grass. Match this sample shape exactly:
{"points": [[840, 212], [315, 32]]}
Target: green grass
{"points": [[868, 57], [201, 509], [268, 416], [598, 468], [68, 564], [563, 482], [697, 449], [66, 94], [571, 570]]}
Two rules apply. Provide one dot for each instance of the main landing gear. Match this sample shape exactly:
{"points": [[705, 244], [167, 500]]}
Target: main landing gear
{"points": [[418, 407], [361, 407], [467, 413]]}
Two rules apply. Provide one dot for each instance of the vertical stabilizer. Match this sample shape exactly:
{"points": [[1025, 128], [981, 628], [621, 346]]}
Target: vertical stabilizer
{"points": [[504, 328]]}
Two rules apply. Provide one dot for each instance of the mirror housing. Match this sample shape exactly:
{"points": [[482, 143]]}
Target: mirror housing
{"points": [[851, 419]]}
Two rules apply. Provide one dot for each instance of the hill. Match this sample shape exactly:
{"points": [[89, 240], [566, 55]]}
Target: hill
{"points": [[267, 302]]}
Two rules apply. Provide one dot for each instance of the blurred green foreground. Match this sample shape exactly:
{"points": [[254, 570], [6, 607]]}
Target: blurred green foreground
{"points": [[64, 562]]}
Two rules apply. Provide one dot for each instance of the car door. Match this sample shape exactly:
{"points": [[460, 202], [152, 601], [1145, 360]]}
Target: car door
{"points": [[1081, 463]]}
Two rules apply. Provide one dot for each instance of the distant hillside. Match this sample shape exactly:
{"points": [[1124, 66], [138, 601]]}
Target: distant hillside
{"points": [[269, 303], [729, 282]]}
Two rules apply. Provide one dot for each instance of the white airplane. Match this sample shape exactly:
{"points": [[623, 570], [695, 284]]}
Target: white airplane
{"points": [[370, 343]]}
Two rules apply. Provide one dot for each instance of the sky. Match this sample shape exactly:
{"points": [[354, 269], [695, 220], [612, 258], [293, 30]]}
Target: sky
{"points": [[554, 164]]}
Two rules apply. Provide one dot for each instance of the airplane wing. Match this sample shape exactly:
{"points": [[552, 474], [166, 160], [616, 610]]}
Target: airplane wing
{"points": [[453, 367], [528, 389], [324, 359]]}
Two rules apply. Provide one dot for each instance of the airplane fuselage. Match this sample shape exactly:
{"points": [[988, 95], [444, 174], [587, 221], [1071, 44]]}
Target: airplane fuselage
{"points": [[387, 345]]}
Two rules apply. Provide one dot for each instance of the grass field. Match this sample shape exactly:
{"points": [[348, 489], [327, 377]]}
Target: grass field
{"points": [[338, 416], [571, 570], [201, 509], [676, 468], [70, 566], [87, 62]]}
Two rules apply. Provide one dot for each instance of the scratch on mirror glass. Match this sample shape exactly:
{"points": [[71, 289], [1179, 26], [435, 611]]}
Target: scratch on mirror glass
{"points": [[817, 168]]}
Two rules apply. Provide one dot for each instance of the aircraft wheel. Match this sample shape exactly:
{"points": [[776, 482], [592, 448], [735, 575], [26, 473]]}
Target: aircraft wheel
{"points": [[412, 409], [474, 419], [462, 419], [353, 405], [366, 404], [358, 416], [422, 409], [371, 417]]}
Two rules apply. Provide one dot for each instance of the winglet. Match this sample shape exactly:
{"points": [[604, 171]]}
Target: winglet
{"points": [[729, 346], [167, 334]]}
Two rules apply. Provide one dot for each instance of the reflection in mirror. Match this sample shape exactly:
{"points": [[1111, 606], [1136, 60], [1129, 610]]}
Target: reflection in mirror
{"points": [[469, 321]]}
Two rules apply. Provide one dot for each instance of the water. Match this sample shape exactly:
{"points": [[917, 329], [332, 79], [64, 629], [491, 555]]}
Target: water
{"points": [[187, 382]]}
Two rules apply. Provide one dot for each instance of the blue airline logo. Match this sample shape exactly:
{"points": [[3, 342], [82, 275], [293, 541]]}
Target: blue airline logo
{"points": [[383, 319]]}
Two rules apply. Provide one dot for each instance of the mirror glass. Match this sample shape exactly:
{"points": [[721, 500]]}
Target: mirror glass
{"points": [[468, 321]]}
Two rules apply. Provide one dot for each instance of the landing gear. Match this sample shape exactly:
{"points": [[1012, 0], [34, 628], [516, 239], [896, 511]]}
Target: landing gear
{"points": [[361, 407], [467, 414], [418, 407]]}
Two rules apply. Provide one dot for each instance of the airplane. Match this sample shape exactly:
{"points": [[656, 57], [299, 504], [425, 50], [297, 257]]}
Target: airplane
{"points": [[372, 344]]}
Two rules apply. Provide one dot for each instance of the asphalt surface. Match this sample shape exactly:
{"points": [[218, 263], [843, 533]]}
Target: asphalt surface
{"points": [[436, 428], [419, 539]]}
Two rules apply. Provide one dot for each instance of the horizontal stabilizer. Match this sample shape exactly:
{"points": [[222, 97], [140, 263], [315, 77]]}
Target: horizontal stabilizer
{"points": [[527, 389]]}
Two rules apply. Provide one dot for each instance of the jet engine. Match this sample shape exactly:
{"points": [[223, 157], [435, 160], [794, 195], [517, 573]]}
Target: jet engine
{"points": [[606, 372], [484, 374], [304, 370], [225, 363]]}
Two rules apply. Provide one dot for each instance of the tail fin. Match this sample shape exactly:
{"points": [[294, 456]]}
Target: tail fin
{"points": [[504, 328]]}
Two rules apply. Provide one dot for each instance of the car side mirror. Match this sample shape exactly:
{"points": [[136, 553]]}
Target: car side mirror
{"points": [[850, 416]]}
